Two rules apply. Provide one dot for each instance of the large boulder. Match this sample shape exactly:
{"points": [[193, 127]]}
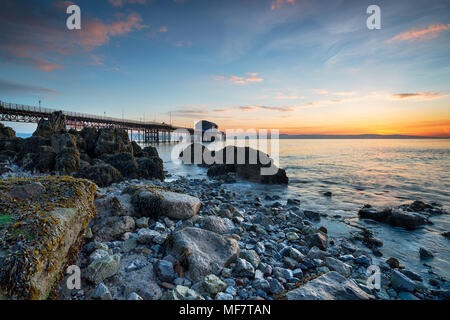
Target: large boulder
{"points": [[330, 286], [41, 234], [55, 125], [249, 164], [111, 141], [151, 151], [217, 224], [102, 174], [155, 201], [395, 217], [197, 250], [124, 162]]}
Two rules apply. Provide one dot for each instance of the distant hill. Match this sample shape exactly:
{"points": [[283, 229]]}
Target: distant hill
{"points": [[355, 136]]}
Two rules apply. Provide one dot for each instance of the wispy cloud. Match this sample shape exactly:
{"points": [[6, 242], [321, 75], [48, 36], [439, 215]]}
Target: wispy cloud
{"points": [[7, 87], [429, 32], [430, 95], [249, 77]]}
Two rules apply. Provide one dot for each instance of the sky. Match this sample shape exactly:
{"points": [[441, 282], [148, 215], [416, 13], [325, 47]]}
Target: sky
{"points": [[299, 66]]}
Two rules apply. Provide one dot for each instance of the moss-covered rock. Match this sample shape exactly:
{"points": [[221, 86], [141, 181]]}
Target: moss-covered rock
{"points": [[39, 235]]}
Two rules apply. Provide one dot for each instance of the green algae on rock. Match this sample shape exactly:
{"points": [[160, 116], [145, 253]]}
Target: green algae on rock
{"points": [[40, 235]]}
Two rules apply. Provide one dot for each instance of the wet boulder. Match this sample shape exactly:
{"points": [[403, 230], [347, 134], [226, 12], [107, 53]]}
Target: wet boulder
{"points": [[330, 286], [153, 201], [90, 136], [55, 125], [395, 217], [197, 250]]}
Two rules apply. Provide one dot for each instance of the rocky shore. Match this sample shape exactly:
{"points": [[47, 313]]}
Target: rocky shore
{"points": [[139, 237]]}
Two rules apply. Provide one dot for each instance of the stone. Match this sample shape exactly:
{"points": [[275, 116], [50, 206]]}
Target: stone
{"points": [[124, 162], [292, 236], [112, 140], [243, 268], [339, 266], [275, 286], [330, 286], [141, 281], [400, 282], [403, 295], [98, 254], [212, 285], [312, 215], [318, 240], [394, 217], [198, 249], [251, 256], [182, 293], [103, 268], [109, 228], [174, 205], [67, 161], [393, 263], [165, 271], [29, 240], [425, 253], [101, 292], [134, 296], [223, 296], [146, 236], [142, 222], [219, 225]]}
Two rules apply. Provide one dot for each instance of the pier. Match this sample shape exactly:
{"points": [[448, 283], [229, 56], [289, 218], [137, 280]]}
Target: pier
{"points": [[146, 132]]}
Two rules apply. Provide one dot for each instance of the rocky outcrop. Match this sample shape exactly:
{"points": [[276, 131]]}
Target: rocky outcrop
{"points": [[409, 216], [197, 250], [245, 162], [43, 221], [104, 156], [330, 286], [153, 202], [53, 126]]}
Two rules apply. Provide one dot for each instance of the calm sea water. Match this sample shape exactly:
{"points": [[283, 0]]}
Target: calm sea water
{"points": [[384, 173]]}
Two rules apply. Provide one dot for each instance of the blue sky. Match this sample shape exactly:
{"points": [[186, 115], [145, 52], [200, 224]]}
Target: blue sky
{"points": [[298, 66]]}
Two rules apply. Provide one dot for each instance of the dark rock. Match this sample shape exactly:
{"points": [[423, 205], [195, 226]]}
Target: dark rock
{"points": [[393, 263], [46, 159], [312, 215], [318, 240], [6, 132], [151, 168], [90, 136], [53, 126], [446, 234], [151, 151], [328, 194], [425, 254], [112, 141], [102, 174], [67, 161], [394, 217], [124, 162], [62, 141]]}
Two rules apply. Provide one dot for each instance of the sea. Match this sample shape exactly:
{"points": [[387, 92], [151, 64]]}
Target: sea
{"points": [[380, 172]]}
